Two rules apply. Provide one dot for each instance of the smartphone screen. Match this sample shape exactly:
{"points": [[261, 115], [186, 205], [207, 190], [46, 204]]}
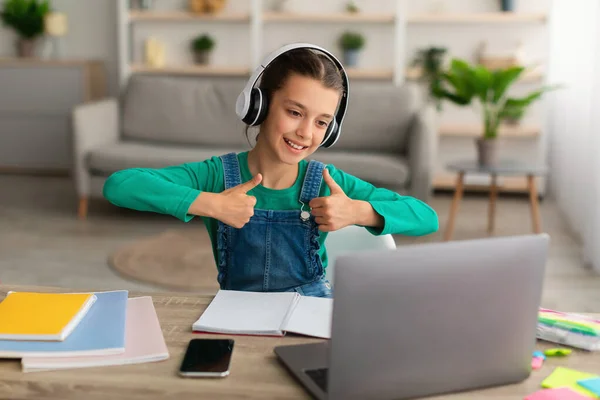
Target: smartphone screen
{"points": [[207, 357]]}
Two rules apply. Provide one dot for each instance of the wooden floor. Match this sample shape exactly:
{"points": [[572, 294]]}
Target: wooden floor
{"points": [[43, 243]]}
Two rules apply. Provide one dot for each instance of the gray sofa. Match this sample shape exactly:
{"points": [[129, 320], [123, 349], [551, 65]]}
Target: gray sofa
{"points": [[388, 137]]}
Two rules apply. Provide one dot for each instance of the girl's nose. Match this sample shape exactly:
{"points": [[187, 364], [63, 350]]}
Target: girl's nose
{"points": [[304, 129]]}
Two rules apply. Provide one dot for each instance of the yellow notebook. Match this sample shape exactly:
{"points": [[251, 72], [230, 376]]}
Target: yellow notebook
{"points": [[42, 316]]}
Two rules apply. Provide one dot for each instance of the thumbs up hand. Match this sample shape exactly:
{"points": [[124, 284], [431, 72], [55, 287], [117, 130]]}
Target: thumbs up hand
{"points": [[335, 211], [235, 207]]}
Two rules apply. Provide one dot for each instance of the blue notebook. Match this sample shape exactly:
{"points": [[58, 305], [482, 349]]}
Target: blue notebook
{"points": [[100, 332]]}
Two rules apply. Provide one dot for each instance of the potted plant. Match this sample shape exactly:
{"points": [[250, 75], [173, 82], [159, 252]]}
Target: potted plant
{"points": [[351, 44], [463, 84], [428, 64], [202, 47], [26, 18]]}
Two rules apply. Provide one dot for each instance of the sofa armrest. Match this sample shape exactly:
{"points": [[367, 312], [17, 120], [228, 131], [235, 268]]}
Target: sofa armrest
{"points": [[421, 152], [94, 124]]}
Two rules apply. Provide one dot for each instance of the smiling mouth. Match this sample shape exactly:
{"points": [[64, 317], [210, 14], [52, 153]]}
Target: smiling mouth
{"points": [[294, 146]]}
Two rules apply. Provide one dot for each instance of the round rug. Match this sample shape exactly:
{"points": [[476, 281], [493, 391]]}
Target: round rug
{"points": [[175, 259]]}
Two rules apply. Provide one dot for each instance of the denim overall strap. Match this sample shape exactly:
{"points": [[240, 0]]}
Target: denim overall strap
{"points": [[231, 168], [312, 181]]}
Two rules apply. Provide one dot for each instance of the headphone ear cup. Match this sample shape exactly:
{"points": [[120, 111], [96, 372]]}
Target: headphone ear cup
{"points": [[263, 109], [254, 108], [330, 134]]}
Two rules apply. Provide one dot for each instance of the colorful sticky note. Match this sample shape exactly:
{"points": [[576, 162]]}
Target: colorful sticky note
{"points": [[555, 394], [566, 377], [593, 385], [536, 362]]}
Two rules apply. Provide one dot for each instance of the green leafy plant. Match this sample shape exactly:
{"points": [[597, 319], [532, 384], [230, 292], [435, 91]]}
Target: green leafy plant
{"points": [[462, 84], [351, 41], [26, 17], [203, 42], [430, 61]]}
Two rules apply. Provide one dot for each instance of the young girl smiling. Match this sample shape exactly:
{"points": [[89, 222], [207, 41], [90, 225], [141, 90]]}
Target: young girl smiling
{"points": [[268, 210]]}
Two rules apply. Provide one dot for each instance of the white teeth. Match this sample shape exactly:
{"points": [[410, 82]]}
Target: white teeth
{"points": [[295, 146]]}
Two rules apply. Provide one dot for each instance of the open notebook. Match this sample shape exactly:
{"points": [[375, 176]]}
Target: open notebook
{"points": [[144, 342], [266, 313]]}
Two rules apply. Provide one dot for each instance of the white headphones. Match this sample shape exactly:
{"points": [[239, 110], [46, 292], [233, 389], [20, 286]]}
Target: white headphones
{"points": [[252, 104]]}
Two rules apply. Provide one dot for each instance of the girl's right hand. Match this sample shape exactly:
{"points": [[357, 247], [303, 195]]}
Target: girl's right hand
{"points": [[232, 206]]}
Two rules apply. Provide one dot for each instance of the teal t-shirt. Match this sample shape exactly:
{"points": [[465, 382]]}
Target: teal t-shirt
{"points": [[172, 190]]}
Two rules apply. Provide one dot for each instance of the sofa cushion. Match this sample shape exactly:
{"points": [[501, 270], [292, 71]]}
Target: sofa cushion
{"points": [[183, 110], [378, 117], [379, 169], [108, 159], [382, 169]]}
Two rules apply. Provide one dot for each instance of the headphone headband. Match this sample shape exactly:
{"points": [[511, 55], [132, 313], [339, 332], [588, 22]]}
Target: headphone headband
{"points": [[244, 100]]}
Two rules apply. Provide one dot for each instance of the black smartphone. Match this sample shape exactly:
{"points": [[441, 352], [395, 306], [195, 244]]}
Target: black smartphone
{"points": [[207, 358]]}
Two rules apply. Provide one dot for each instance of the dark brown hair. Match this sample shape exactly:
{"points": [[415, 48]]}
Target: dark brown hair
{"points": [[304, 62]]}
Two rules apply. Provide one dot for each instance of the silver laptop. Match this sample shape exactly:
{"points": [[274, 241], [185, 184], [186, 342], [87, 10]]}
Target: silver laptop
{"points": [[427, 319]]}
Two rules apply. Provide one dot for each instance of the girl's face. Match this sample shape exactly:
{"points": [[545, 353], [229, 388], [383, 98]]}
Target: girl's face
{"points": [[299, 115]]}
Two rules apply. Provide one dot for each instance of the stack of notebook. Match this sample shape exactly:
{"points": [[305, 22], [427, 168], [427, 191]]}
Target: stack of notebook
{"points": [[50, 331], [569, 329]]}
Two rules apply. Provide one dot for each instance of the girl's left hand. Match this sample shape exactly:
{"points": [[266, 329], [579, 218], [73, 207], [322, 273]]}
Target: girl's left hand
{"points": [[335, 211]]}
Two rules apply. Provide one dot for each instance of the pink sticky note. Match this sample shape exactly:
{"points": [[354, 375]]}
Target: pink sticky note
{"points": [[537, 362], [556, 394]]}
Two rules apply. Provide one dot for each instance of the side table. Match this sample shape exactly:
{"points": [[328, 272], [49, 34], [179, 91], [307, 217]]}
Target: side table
{"points": [[502, 168]]}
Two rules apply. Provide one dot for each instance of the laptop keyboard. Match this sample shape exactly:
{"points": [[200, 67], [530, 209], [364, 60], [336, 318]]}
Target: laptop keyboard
{"points": [[319, 376]]}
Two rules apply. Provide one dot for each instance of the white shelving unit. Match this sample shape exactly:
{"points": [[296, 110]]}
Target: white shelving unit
{"points": [[250, 25]]}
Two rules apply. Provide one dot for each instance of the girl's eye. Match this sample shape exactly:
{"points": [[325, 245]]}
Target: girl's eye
{"points": [[323, 124], [294, 113]]}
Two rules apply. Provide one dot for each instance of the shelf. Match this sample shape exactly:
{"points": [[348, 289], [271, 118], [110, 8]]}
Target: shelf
{"points": [[367, 73], [497, 17], [212, 70], [474, 130], [34, 61], [533, 76], [510, 184], [167, 16], [332, 17], [243, 71]]}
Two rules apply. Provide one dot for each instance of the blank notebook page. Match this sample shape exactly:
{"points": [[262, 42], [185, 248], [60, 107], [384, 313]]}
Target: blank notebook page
{"points": [[312, 316], [237, 311]]}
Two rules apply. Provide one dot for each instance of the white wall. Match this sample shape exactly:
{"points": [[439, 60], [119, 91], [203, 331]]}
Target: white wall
{"points": [[575, 120], [92, 33]]}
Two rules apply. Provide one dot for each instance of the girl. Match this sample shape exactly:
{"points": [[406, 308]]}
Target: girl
{"points": [[267, 210]]}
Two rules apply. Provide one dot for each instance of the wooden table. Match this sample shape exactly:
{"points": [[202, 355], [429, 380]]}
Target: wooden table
{"points": [[503, 168], [255, 371]]}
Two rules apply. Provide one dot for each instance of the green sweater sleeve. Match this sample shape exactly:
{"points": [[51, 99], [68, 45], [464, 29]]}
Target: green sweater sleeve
{"points": [[403, 215], [169, 190]]}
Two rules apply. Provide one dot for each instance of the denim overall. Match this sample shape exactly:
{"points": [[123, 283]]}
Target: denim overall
{"points": [[277, 250]]}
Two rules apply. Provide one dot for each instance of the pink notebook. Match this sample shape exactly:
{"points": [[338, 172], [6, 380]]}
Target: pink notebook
{"points": [[556, 394], [144, 342]]}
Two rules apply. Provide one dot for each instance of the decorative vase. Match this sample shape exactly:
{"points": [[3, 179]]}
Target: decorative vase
{"points": [[487, 151], [351, 57], [202, 57], [508, 5], [25, 47]]}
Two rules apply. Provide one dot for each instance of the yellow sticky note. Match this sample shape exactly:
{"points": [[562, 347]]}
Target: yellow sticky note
{"points": [[566, 377]]}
